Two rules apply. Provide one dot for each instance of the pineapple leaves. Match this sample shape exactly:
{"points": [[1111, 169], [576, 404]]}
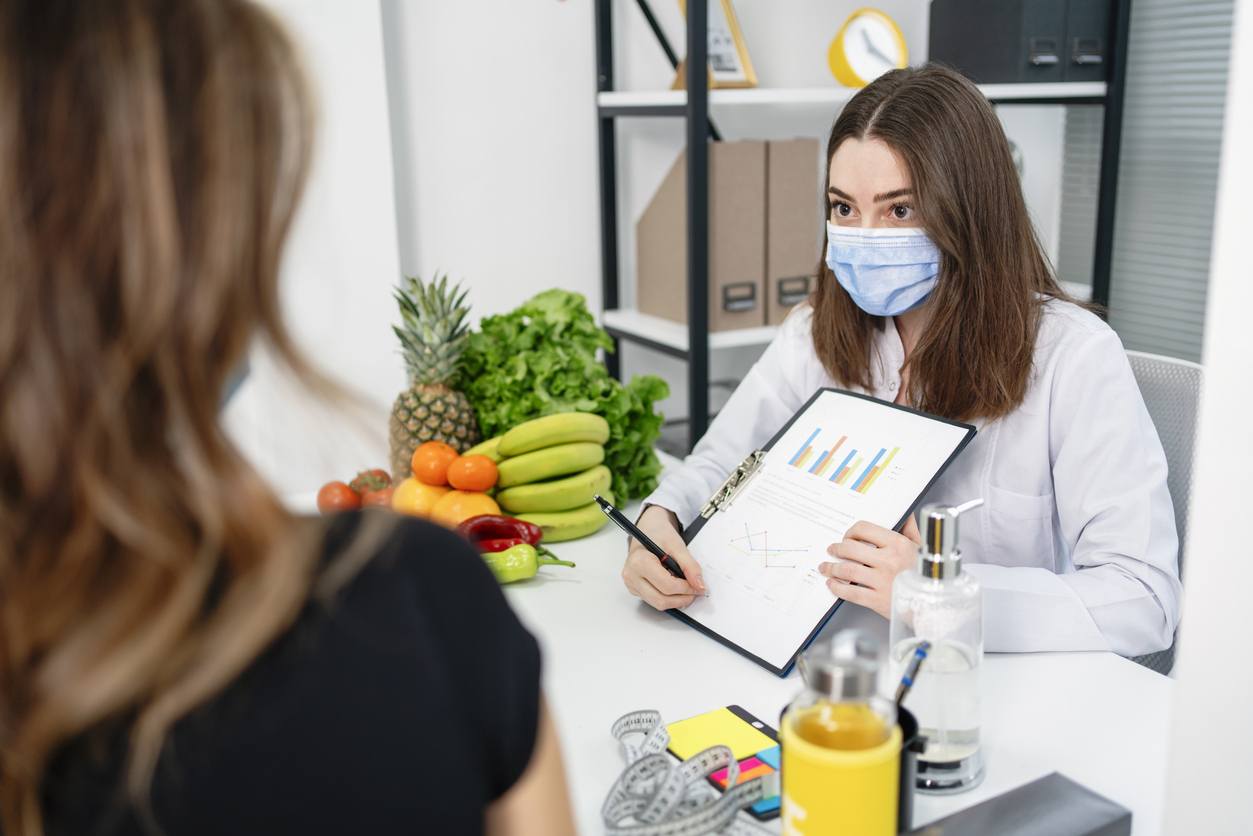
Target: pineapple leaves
{"points": [[433, 329]]}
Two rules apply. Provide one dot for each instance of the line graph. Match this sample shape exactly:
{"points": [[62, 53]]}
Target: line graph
{"points": [[757, 544]]}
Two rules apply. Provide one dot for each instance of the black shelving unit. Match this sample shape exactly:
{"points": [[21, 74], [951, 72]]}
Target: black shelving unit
{"points": [[696, 112], [700, 131]]}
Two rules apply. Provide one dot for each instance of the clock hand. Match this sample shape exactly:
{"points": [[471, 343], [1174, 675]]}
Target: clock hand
{"points": [[874, 50]]}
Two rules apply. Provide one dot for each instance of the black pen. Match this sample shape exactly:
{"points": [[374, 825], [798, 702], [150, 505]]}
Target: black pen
{"points": [[672, 566]]}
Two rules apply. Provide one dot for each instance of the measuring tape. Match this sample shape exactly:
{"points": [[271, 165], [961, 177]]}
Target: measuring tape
{"points": [[658, 796]]}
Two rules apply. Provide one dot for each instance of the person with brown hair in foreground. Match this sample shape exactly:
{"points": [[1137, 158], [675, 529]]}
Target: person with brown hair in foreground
{"points": [[178, 653]]}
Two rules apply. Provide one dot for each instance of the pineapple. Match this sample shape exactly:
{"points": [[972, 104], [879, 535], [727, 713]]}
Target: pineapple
{"points": [[432, 336]]}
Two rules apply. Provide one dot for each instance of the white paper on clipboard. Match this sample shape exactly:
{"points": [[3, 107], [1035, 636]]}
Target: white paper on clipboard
{"points": [[844, 457]]}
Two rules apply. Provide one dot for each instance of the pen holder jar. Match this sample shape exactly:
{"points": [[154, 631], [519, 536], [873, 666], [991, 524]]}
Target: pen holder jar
{"points": [[912, 745]]}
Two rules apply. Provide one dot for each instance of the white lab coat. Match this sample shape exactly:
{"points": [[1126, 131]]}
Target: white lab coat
{"points": [[1076, 547]]}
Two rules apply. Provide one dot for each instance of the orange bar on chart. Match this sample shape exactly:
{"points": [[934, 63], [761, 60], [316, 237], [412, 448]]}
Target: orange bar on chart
{"points": [[848, 471], [878, 470], [826, 465], [869, 478], [804, 459], [794, 461]]}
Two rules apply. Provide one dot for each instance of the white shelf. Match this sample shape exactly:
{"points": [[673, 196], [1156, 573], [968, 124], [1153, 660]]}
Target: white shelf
{"points": [[673, 335], [754, 96], [828, 96], [1061, 90]]}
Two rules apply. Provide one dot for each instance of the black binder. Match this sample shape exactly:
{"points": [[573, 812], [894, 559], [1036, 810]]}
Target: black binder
{"points": [[1022, 41]]}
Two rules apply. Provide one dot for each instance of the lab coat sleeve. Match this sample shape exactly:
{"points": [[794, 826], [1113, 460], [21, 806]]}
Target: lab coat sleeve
{"points": [[1115, 514], [768, 396]]}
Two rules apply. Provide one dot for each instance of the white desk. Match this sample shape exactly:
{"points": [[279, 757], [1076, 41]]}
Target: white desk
{"points": [[1096, 717]]}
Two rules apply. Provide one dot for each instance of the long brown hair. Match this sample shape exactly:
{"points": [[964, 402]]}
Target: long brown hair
{"points": [[151, 156], [973, 359]]}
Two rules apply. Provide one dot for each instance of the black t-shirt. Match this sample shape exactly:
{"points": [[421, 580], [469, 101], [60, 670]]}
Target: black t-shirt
{"points": [[405, 704]]}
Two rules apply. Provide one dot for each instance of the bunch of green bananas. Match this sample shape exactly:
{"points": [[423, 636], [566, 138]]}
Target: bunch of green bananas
{"points": [[550, 468]]}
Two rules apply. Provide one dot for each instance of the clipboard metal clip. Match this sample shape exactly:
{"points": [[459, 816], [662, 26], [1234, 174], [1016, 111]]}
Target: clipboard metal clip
{"points": [[725, 495]]}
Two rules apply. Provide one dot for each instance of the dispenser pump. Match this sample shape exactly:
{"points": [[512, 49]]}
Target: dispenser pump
{"points": [[939, 558], [938, 611]]}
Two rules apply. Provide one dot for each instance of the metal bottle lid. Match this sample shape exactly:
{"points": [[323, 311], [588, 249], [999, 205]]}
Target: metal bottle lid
{"points": [[846, 667], [939, 557]]}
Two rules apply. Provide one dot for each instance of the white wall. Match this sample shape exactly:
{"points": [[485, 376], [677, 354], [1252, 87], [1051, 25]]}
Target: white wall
{"points": [[495, 135], [1210, 773], [339, 266]]}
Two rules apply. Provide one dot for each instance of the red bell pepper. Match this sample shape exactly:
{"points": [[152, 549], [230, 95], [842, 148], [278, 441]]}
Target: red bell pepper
{"points": [[498, 527], [498, 545]]}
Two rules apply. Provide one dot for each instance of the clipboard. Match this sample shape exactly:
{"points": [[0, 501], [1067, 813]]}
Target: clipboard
{"points": [[855, 474]]}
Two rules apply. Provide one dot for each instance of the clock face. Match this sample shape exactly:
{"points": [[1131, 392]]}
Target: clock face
{"points": [[871, 47]]}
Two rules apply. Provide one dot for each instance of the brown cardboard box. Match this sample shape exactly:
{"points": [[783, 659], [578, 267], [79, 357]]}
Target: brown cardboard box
{"points": [[793, 224], [737, 240]]}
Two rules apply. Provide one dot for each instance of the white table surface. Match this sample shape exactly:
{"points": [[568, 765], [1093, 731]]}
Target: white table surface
{"points": [[1096, 717]]}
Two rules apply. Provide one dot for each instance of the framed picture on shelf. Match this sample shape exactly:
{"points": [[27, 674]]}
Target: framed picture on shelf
{"points": [[729, 64]]}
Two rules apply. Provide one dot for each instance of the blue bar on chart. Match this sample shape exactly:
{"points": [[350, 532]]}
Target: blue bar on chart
{"points": [[841, 471], [869, 469], [823, 464], [878, 471], [801, 457]]}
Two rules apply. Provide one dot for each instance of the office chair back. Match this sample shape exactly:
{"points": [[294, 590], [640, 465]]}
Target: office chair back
{"points": [[1172, 391]]}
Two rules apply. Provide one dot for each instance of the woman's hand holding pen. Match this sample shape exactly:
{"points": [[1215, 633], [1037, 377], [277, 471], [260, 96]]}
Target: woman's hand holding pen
{"points": [[643, 573], [871, 557]]}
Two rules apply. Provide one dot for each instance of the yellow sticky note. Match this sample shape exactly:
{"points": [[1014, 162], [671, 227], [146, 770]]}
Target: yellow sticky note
{"points": [[718, 727]]}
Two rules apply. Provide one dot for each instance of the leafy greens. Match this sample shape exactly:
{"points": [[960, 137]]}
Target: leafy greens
{"points": [[540, 359]]}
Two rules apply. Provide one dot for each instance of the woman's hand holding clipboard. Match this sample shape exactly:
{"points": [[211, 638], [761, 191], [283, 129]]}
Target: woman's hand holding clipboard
{"points": [[868, 560]]}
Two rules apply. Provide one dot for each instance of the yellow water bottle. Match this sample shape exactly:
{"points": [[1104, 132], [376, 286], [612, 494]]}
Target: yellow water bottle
{"points": [[841, 745]]}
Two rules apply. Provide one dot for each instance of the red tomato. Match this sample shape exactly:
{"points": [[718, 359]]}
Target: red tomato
{"points": [[370, 480], [380, 498], [336, 496]]}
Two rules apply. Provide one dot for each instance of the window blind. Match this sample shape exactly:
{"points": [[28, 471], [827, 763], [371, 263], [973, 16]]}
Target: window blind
{"points": [[1176, 86], [1081, 181]]}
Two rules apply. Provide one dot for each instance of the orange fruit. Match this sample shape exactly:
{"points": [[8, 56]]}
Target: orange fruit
{"points": [[430, 462], [456, 506], [472, 473], [415, 498]]}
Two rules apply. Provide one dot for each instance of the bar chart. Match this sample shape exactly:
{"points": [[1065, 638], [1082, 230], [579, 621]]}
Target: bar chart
{"points": [[854, 471]]}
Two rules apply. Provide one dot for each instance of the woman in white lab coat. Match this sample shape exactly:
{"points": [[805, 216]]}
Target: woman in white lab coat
{"points": [[934, 293]]}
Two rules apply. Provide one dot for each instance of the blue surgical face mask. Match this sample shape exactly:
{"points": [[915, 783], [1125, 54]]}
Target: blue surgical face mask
{"points": [[886, 271]]}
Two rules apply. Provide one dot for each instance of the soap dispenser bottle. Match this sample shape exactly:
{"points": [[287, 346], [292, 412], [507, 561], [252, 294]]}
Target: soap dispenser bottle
{"points": [[937, 610]]}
